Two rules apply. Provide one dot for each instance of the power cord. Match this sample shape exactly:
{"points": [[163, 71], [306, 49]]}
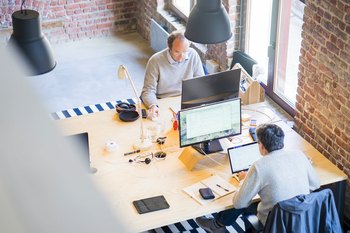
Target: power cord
{"points": [[133, 165], [215, 160]]}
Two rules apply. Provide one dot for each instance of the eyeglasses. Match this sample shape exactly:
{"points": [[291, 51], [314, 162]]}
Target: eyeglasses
{"points": [[177, 53]]}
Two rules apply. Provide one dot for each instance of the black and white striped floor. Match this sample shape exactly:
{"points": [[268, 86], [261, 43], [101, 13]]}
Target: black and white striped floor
{"points": [[188, 226]]}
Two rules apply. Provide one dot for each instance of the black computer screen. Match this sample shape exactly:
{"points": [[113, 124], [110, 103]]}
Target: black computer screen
{"points": [[202, 126], [210, 88]]}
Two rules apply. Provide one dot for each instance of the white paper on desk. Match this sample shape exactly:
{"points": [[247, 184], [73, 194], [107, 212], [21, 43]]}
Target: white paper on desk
{"points": [[175, 108], [210, 182], [193, 191]]}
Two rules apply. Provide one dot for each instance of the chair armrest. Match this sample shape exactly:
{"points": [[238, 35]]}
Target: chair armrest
{"points": [[254, 222]]}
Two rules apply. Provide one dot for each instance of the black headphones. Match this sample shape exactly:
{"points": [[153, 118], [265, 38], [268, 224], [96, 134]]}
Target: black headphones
{"points": [[123, 106], [161, 140], [137, 159], [146, 161]]}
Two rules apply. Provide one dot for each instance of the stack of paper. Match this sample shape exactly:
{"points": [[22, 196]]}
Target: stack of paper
{"points": [[218, 185]]}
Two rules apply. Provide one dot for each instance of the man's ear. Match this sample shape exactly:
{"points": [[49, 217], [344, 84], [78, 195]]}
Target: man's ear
{"points": [[168, 46], [261, 146]]}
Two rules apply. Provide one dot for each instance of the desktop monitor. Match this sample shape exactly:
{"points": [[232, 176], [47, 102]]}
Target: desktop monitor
{"points": [[202, 126], [210, 88]]}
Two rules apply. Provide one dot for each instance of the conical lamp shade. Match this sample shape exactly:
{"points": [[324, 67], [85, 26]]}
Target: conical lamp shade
{"points": [[208, 23], [30, 40]]}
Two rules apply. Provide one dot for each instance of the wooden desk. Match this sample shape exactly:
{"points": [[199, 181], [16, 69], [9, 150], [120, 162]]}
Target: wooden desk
{"points": [[123, 183]]}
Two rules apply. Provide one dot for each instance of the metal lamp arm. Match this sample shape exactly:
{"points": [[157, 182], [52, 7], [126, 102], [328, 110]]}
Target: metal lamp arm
{"points": [[139, 102]]}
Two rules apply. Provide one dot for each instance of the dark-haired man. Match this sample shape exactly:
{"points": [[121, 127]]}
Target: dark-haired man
{"points": [[166, 69], [279, 175]]}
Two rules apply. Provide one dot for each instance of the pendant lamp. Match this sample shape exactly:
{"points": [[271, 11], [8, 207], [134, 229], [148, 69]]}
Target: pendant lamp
{"points": [[208, 23], [29, 39]]}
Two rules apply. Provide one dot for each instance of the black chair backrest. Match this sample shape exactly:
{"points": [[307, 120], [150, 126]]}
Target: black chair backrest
{"points": [[245, 60]]}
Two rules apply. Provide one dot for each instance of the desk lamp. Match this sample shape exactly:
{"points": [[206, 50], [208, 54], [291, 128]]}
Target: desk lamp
{"points": [[29, 39], [144, 143], [208, 23]]}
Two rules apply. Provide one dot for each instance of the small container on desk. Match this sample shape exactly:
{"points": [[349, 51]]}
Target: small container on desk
{"points": [[250, 91]]}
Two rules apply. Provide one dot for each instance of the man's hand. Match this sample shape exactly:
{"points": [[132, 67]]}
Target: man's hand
{"points": [[153, 112], [241, 175]]}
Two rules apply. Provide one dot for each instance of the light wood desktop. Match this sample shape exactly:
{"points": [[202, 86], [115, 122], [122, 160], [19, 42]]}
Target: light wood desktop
{"points": [[122, 183]]}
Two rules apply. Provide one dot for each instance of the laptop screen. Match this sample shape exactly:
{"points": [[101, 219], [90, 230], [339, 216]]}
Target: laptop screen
{"points": [[241, 157]]}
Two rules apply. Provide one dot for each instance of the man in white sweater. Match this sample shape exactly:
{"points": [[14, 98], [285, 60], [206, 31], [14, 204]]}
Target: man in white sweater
{"points": [[166, 70], [279, 175]]}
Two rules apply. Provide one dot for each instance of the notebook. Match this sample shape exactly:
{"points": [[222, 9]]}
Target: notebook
{"points": [[217, 184], [241, 157]]}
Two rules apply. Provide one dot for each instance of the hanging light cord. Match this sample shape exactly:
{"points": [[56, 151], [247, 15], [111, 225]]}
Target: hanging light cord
{"points": [[25, 10]]}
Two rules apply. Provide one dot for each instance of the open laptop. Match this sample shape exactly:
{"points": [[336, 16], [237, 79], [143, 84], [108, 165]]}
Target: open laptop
{"points": [[241, 157]]}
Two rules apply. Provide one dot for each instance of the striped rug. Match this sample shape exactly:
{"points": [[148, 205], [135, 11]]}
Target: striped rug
{"points": [[188, 226], [89, 109]]}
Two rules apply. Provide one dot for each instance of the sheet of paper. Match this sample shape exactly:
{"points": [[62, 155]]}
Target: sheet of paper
{"points": [[210, 182], [193, 191], [175, 108], [213, 181]]}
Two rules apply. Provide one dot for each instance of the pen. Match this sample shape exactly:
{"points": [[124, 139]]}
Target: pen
{"points": [[223, 188], [235, 176], [132, 152]]}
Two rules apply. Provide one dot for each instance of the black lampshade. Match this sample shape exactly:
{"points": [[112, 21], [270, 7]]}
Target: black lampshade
{"points": [[30, 40], [208, 23]]}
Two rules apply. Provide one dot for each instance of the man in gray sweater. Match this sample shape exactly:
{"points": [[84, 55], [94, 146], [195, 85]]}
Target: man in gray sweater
{"points": [[279, 175], [166, 70]]}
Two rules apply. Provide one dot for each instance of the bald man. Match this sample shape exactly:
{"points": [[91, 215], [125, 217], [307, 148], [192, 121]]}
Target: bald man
{"points": [[166, 70]]}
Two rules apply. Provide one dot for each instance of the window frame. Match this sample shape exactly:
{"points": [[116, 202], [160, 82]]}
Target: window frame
{"points": [[178, 12]]}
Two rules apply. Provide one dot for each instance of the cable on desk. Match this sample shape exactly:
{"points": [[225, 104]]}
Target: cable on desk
{"points": [[133, 165], [174, 147], [215, 160], [255, 111], [231, 139]]}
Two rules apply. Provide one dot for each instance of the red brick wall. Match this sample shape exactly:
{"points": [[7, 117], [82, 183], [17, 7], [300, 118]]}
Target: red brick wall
{"points": [[323, 106], [221, 52], [67, 20], [146, 10]]}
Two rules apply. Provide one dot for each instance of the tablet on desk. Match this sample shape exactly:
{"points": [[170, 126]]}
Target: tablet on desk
{"points": [[151, 204], [241, 157]]}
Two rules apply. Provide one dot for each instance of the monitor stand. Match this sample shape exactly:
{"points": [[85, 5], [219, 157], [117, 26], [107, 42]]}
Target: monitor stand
{"points": [[93, 170], [208, 147]]}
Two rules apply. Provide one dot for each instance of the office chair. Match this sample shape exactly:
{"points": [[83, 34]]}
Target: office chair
{"points": [[245, 60], [315, 212]]}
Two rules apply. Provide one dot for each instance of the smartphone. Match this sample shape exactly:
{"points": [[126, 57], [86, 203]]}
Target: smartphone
{"points": [[144, 113], [252, 134]]}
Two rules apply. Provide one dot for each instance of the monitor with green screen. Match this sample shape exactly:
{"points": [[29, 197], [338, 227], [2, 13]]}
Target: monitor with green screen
{"points": [[202, 126]]}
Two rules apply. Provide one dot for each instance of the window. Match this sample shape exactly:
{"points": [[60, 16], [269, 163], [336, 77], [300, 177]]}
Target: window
{"points": [[273, 39], [182, 7]]}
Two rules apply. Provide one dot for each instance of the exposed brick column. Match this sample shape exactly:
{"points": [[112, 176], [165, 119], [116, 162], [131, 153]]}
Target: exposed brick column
{"points": [[221, 52], [146, 10], [322, 116]]}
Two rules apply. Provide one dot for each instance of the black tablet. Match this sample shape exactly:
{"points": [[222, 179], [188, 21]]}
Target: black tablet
{"points": [[151, 204]]}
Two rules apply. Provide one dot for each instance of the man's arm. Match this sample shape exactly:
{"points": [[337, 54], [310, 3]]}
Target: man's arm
{"points": [[198, 67], [247, 189], [314, 180], [149, 89]]}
